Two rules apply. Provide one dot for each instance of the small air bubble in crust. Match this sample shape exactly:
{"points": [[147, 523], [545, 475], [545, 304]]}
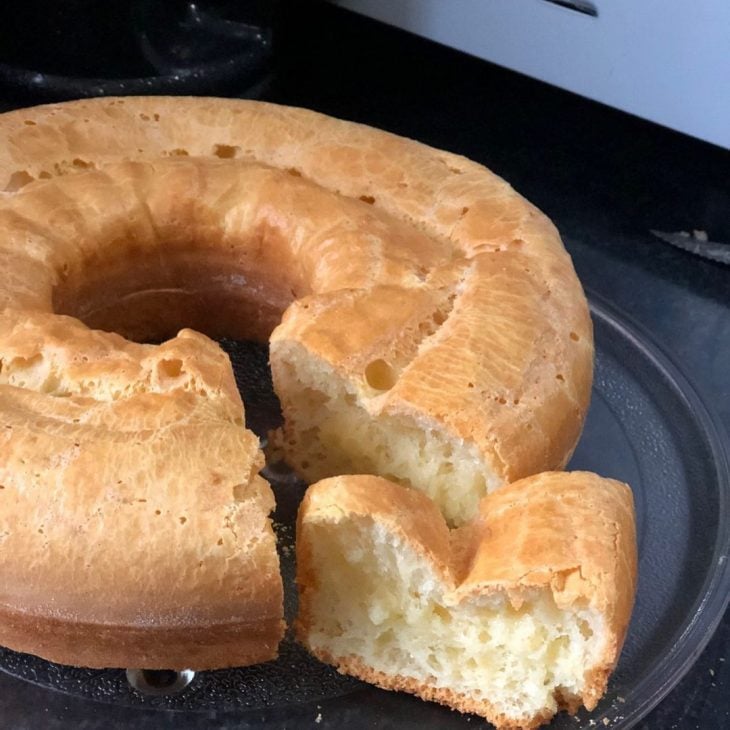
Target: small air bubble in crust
{"points": [[172, 368], [379, 375], [225, 151], [18, 180]]}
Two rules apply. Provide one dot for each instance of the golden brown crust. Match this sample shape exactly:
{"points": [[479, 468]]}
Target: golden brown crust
{"points": [[571, 533], [197, 646], [133, 517], [261, 205], [520, 397]]}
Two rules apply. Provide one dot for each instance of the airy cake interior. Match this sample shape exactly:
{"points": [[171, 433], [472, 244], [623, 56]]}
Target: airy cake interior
{"points": [[335, 427], [376, 599]]}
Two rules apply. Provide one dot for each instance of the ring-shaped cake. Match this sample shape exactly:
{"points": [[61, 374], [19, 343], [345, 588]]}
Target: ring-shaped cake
{"points": [[425, 324]]}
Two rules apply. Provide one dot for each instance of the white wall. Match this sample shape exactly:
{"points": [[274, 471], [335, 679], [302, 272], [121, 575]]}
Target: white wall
{"points": [[665, 60]]}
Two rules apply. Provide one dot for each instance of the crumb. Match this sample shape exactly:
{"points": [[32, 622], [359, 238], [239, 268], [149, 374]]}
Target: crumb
{"points": [[318, 719], [712, 672], [621, 699], [606, 721], [699, 235]]}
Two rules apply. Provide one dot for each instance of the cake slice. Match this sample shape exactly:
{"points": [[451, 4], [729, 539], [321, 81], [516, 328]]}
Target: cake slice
{"points": [[135, 529], [518, 614]]}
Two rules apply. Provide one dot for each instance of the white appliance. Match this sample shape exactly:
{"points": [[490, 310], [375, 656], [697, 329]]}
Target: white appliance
{"points": [[665, 60]]}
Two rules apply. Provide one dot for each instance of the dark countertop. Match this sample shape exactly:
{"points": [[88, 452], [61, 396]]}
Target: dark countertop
{"points": [[604, 177]]}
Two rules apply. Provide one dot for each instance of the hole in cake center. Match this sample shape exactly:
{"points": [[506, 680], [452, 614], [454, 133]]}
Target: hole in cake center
{"points": [[149, 296]]}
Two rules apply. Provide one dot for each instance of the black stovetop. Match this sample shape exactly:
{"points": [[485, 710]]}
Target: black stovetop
{"points": [[605, 178]]}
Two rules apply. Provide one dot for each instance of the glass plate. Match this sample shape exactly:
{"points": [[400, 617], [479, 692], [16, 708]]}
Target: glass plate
{"points": [[646, 426]]}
